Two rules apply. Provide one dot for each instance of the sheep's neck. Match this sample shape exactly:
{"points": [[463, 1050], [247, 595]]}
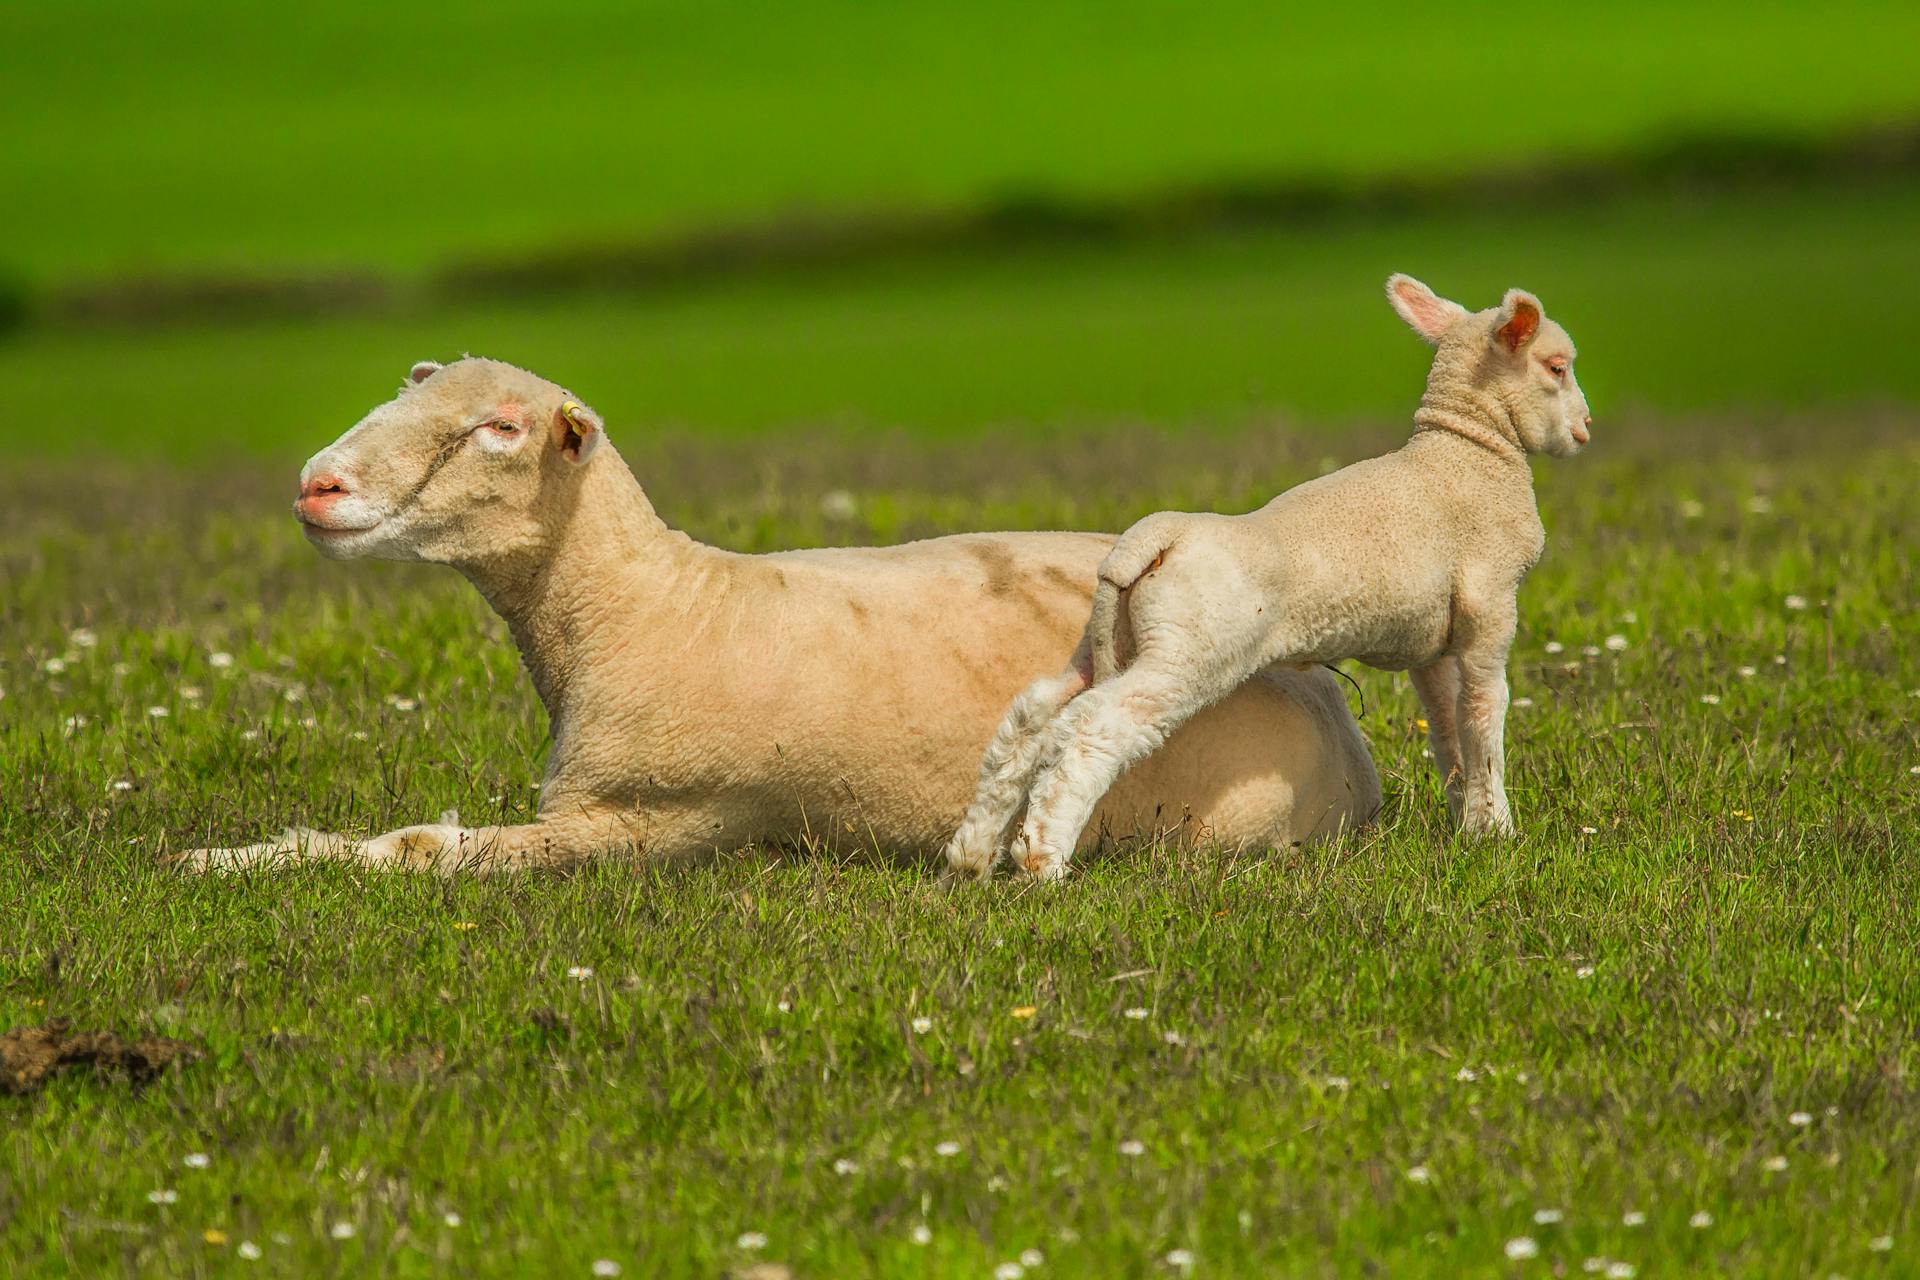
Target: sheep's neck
{"points": [[607, 555], [1474, 414]]}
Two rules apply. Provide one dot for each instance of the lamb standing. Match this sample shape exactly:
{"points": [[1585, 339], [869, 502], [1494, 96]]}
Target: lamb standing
{"points": [[701, 699], [1409, 561]]}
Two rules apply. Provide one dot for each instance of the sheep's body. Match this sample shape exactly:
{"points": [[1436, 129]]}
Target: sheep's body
{"points": [[1410, 561], [701, 699]]}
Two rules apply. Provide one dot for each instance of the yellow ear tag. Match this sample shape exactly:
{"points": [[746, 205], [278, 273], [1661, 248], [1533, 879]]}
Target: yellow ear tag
{"points": [[566, 411]]}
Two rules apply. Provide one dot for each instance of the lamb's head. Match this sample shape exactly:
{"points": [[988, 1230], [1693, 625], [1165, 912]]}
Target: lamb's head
{"points": [[470, 462], [1510, 356]]}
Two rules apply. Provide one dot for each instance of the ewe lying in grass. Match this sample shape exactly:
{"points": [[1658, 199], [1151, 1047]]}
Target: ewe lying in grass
{"points": [[1410, 561], [701, 699]]}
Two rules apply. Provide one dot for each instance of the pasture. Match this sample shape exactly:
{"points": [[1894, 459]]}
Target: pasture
{"points": [[1670, 1026]]}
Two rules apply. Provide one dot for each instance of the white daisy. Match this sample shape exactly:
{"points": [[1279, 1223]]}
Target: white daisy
{"points": [[750, 1240], [922, 1025], [1521, 1248], [1700, 1220]]}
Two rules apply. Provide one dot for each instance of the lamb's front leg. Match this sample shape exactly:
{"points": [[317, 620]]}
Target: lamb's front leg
{"points": [[1482, 727], [1438, 685], [444, 848]]}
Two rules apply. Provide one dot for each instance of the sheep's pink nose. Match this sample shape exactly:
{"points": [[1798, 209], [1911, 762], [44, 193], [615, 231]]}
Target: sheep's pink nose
{"points": [[320, 490]]}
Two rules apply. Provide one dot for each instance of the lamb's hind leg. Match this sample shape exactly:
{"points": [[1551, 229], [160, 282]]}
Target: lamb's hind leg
{"points": [[444, 848], [1090, 744], [1008, 765]]}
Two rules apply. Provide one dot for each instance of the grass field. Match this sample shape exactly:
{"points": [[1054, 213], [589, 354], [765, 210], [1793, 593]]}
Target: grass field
{"points": [[222, 134], [1742, 305], [1687, 992]]}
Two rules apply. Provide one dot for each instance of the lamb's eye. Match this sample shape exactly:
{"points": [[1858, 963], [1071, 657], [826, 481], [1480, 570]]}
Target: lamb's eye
{"points": [[505, 428], [1557, 368]]}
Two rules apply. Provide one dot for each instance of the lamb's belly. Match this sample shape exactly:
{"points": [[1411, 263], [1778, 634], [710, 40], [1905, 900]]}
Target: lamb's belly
{"points": [[1403, 639]]}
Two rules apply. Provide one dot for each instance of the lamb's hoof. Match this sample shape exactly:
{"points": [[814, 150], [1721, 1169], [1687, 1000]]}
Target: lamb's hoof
{"points": [[969, 859]]}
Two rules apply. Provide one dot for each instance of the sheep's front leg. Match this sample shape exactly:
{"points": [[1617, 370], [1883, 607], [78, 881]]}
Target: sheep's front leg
{"points": [[444, 848], [1482, 727], [1007, 768], [1438, 685]]}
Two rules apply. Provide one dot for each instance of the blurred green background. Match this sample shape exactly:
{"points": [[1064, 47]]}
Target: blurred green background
{"points": [[232, 227]]}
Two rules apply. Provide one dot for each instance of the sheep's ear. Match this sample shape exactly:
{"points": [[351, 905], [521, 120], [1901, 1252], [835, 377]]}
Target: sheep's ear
{"points": [[576, 430], [422, 371], [1421, 307], [1519, 320]]}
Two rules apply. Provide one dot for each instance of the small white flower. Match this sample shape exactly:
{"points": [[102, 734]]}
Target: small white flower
{"points": [[1633, 1218], [1796, 603], [606, 1267], [1800, 1119], [451, 1218], [947, 1149], [54, 666], [750, 1240], [82, 638], [922, 1025], [1420, 1174], [1594, 1266], [122, 668], [163, 1195], [1522, 1247], [249, 1250], [1616, 643], [1554, 646], [1009, 1271], [1774, 1164], [158, 713], [1589, 831], [360, 735], [1779, 659], [1180, 1259], [1584, 971], [1339, 1082], [196, 1160], [294, 693], [921, 1233], [1466, 1075], [1547, 1217], [1748, 673], [1700, 1220], [220, 660], [341, 1231], [1880, 1244], [1136, 1013], [845, 1167], [1521, 703], [579, 972], [121, 784], [1031, 1258], [1710, 699], [1915, 768], [784, 1006], [1174, 1038], [249, 735], [401, 704], [1692, 510], [1133, 1147], [1621, 1271], [191, 692], [1592, 650], [308, 722]]}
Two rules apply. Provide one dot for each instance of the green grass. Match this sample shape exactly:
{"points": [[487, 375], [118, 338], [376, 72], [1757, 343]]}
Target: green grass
{"points": [[1730, 304], [1745, 901], [225, 134]]}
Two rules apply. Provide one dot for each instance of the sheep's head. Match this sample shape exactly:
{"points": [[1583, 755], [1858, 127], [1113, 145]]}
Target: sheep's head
{"points": [[1510, 355], [471, 461]]}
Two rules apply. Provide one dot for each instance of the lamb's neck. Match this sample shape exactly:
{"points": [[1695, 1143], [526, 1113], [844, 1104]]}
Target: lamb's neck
{"points": [[607, 560], [1475, 415]]}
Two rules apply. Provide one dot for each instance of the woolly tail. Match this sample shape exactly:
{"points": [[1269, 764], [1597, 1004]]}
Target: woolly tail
{"points": [[1137, 554]]}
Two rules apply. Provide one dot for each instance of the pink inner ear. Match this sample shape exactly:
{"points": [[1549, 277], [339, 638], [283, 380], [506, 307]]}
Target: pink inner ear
{"points": [[422, 371], [1426, 311], [1519, 330]]}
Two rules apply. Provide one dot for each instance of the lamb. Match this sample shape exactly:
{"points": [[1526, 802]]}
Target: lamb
{"points": [[701, 700], [1410, 561]]}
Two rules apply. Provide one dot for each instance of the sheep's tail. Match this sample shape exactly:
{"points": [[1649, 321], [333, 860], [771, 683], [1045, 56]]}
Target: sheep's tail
{"points": [[1138, 553]]}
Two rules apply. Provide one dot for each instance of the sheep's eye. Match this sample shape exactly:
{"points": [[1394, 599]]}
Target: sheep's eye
{"points": [[505, 428], [1558, 368]]}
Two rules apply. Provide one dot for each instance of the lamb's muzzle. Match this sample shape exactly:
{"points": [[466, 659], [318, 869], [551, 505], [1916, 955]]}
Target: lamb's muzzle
{"points": [[1408, 562]]}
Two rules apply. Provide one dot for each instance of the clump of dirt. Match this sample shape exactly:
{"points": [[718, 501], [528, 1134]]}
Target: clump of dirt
{"points": [[30, 1055]]}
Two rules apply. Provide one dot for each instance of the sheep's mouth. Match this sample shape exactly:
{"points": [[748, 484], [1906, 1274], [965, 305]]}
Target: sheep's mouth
{"points": [[313, 530]]}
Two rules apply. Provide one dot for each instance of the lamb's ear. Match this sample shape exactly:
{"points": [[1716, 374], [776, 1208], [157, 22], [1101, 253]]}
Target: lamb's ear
{"points": [[1421, 307], [1518, 321], [576, 430], [422, 371]]}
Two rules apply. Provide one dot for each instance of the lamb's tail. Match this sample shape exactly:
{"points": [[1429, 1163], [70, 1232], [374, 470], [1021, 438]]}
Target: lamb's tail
{"points": [[1138, 553]]}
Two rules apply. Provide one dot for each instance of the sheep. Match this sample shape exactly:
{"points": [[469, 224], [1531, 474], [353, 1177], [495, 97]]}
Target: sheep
{"points": [[701, 700], [1409, 561]]}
